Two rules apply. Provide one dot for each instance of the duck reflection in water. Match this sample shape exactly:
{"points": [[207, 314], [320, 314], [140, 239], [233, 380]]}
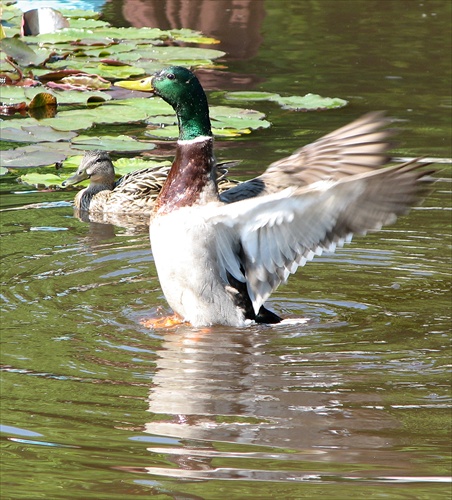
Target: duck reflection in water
{"points": [[238, 387]]}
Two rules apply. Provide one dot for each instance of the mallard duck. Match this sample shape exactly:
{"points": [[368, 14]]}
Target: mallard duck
{"points": [[135, 192], [220, 256]]}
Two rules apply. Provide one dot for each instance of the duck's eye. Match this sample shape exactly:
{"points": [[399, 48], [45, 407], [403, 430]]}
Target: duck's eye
{"points": [[171, 76]]}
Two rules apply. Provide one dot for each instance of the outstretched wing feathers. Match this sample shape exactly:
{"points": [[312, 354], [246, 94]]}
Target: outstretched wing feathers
{"points": [[278, 232], [353, 149]]}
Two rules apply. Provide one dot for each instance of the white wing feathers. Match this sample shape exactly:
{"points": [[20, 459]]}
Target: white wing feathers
{"points": [[264, 239]]}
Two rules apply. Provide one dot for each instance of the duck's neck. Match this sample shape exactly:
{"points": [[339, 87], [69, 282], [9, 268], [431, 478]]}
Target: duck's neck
{"points": [[192, 178], [84, 197], [193, 116]]}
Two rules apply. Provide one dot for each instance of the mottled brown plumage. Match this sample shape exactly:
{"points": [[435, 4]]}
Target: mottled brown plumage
{"points": [[134, 193]]}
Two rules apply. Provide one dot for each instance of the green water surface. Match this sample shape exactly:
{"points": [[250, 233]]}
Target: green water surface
{"points": [[354, 402]]}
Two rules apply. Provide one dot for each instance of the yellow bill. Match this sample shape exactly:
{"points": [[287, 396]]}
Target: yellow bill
{"points": [[143, 85]]}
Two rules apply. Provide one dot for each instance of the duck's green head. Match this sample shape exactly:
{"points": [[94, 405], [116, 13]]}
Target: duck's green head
{"points": [[180, 88]]}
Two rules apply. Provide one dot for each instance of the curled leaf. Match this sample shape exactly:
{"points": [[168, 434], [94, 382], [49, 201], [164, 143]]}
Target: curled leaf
{"points": [[42, 99], [22, 53], [11, 109]]}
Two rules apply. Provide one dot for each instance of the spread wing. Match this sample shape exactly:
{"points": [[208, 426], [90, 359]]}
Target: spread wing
{"points": [[262, 240], [355, 148]]}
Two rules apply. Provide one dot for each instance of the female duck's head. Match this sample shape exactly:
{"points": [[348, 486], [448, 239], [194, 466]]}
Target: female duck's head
{"points": [[95, 166], [180, 88]]}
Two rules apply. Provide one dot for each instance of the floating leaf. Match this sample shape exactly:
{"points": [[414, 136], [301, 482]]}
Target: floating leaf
{"points": [[242, 120], [154, 66], [17, 94], [250, 96], [81, 81], [169, 53], [61, 36], [225, 112], [103, 70], [87, 81], [308, 102], [230, 132], [41, 180], [78, 13], [35, 155], [226, 122], [37, 133], [42, 99], [149, 106], [22, 53], [190, 36], [79, 97], [170, 132], [57, 75], [87, 24], [112, 143], [113, 49]]}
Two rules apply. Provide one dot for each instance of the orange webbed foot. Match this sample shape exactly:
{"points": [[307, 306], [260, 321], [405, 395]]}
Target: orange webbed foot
{"points": [[165, 322]]}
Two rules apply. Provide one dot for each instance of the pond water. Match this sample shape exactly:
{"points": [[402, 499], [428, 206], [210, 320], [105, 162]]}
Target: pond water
{"points": [[355, 400]]}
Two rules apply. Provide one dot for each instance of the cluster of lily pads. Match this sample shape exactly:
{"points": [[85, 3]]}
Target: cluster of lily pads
{"points": [[58, 88]]}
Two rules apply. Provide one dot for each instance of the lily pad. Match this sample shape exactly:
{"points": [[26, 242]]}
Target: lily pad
{"points": [[308, 102], [112, 143], [36, 133], [36, 155], [114, 49], [250, 96], [239, 119], [41, 180], [42, 99], [103, 70], [87, 24], [148, 106], [50, 175], [85, 82], [150, 66], [12, 94], [169, 132], [226, 122], [78, 13], [23, 53], [190, 36], [169, 53]]}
